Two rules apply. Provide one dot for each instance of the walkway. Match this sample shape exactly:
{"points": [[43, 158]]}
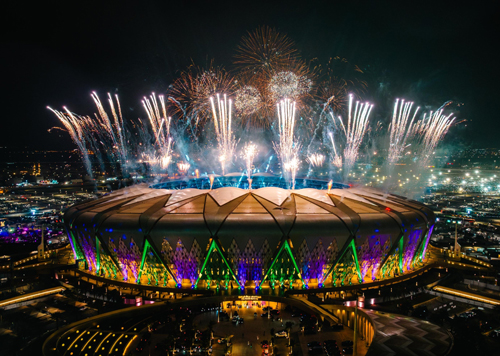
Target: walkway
{"points": [[30, 296], [467, 295], [402, 335]]}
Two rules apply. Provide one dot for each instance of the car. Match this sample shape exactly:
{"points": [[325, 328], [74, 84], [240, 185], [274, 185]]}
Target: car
{"points": [[275, 312], [347, 350], [347, 343], [282, 333], [337, 327]]}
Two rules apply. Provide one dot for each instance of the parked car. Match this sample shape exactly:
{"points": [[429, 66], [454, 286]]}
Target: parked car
{"points": [[347, 350], [282, 333], [337, 327]]}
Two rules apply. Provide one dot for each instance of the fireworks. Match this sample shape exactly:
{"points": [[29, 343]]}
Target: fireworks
{"points": [[270, 74], [191, 92], [264, 49], [222, 122], [247, 101], [183, 167], [337, 159], [287, 84], [401, 129], [333, 95], [90, 133], [114, 129], [159, 161], [73, 124], [248, 154], [354, 131], [293, 166], [160, 124], [432, 128], [316, 159], [287, 148]]}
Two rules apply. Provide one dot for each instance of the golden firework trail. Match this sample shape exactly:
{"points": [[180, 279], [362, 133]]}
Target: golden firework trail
{"points": [[401, 130], [222, 121]]}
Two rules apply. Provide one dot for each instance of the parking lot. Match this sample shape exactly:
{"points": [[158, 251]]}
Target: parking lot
{"points": [[255, 329]]}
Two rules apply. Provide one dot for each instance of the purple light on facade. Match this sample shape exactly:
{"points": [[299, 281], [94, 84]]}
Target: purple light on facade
{"points": [[89, 251], [129, 260], [427, 241], [410, 248], [371, 255]]}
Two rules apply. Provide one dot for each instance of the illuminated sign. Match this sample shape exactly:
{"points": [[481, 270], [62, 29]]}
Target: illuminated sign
{"points": [[249, 297]]}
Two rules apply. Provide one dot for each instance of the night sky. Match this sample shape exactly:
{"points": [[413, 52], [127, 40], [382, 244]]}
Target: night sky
{"points": [[55, 54]]}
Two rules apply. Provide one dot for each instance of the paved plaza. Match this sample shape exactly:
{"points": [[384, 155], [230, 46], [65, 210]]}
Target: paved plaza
{"points": [[257, 328]]}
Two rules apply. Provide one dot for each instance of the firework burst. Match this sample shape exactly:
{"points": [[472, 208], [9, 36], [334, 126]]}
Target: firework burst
{"points": [[223, 121], [401, 129], [248, 101], [287, 84], [264, 49], [191, 92], [333, 91]]}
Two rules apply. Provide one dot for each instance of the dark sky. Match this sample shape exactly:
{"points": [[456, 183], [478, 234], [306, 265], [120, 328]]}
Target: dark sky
{"points": [[56, 53]]}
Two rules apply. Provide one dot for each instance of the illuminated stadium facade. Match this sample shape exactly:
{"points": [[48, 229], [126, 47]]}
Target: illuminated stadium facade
{"points": [[232, 237]]}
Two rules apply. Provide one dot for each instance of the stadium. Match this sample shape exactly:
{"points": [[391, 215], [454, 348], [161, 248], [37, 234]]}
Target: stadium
{"points": [[229, 237]]}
